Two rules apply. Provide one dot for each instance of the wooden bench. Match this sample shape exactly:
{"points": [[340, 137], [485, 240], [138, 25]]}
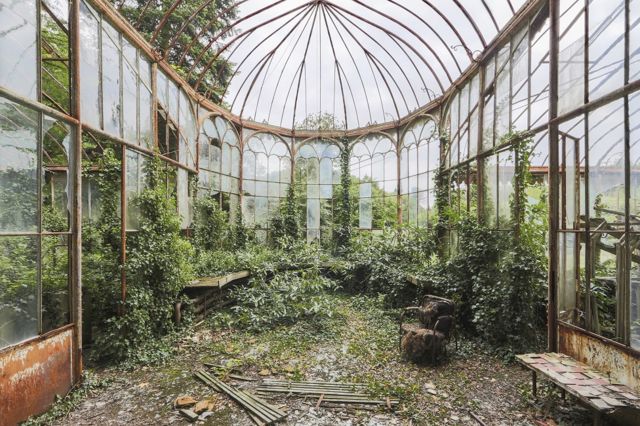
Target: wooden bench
{"points": [[217, 282], [594, 389]]}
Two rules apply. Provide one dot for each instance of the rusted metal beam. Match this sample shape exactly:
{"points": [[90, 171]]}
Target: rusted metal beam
{"points": [[76, 165], [552, 294]]}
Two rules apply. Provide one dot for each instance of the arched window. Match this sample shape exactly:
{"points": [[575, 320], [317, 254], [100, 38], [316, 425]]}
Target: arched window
{"points": [[317, 173], [219, 162], [266, 178], [374, 169], [419, 161]]}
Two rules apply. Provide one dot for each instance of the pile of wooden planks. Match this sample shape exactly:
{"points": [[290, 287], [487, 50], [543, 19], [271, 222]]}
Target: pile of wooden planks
{"points": [[261, 412], [326, 392]]}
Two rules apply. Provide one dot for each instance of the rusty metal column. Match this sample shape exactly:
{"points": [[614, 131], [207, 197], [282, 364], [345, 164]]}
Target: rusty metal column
{"points": [[552, 317], [76, 225], [399, 144]]}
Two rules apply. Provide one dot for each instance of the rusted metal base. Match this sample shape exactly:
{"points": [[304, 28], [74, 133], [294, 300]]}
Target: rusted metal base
{"points": [[620, 362], [33, 373]]}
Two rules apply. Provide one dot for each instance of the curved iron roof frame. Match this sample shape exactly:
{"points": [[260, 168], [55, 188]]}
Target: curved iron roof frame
{"points": [[401, 120]]}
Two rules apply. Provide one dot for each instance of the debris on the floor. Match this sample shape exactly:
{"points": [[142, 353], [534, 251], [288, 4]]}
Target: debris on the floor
{"points": [[204, 405], [326, 392], [184, 401], [259, 410], [189, 414]]}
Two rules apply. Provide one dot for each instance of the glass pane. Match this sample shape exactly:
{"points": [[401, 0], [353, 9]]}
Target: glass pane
{"points": [[505, 189], [56, 187], [18, 67], [491, 190], [18, 168], [89, 67], [606, 163], [55, 282], [313, 213], [365, 213], [110, 83], [18, 292], [145, 124], [129, 103], [606, 46]]}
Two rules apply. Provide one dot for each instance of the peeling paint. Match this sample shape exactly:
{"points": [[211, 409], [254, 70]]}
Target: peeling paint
{"points": [[620, 363], [33, 373]]}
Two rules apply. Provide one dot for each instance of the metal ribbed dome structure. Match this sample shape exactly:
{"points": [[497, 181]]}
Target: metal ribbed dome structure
{"points": [[356, 63]]}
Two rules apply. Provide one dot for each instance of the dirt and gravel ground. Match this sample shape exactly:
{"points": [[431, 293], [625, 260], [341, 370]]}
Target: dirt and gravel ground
{"points": [[359, 344]]}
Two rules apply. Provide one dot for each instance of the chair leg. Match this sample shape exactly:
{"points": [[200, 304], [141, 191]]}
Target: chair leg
{"points": [[598, 419]]}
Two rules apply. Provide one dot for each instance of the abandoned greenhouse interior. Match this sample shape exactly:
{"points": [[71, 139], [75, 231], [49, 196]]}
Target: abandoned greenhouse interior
{"points": [[312, 212]]}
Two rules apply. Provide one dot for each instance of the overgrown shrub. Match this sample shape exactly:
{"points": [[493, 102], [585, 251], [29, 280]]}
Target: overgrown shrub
{"points": [[158, 267], [286, 225], [381, 264], [283, 297]]}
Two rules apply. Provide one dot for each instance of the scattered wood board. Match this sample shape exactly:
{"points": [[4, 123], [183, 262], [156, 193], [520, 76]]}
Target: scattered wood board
{"points": [[259, 410], [326, 392]]}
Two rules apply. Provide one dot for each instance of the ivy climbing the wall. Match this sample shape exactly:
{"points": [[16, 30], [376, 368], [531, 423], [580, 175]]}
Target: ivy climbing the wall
{"points": [[157, 269]]}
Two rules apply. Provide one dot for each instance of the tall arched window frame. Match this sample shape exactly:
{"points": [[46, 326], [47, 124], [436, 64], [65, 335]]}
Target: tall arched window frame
{"points": [[374, 170], [219, 162], [317, 174], [266, 179], [419, 162]]}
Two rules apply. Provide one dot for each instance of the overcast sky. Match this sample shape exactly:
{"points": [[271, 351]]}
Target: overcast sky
{"points": [[388, 57]]}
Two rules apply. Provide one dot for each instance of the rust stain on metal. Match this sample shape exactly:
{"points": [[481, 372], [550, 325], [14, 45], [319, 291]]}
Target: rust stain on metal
{"points": [[620, 363], [32, 373]]}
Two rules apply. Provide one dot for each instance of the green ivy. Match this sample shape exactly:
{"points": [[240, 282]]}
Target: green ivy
{"points": [[343, 225], [157, 269]]}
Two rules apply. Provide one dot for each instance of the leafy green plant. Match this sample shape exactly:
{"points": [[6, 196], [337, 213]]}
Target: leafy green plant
{"points": [[158, 267], [381, 264], [286, 224], [211, 230], [285, 297], [343, 223]]}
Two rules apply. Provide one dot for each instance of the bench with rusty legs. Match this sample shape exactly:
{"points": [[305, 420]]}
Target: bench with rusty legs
{"points": [[597, 391]]}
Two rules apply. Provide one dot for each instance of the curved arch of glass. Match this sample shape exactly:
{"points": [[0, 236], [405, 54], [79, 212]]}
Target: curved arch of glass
{"points": [[374, 171], [219, 162], [266, 165], [419, 162], [317, 173]]}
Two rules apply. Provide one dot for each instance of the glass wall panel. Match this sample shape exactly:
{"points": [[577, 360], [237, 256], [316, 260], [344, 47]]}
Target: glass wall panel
{"points": [[56, 185], [317, 173], [372, 161], [219, 163], [136, 181], [89, 66], [111, 80], [18, 289], [634, 40], [263, 155], [539, 39], [55, 282], [571, 81], [18, 47], [18, 168], [419, 161], [606, 46], [491, 190]]}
